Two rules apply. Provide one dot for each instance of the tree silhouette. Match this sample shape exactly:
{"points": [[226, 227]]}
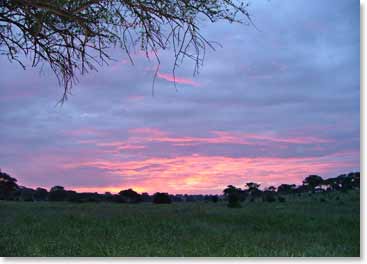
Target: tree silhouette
{"points": [[230, 189], [233, 194], [9, 190], [269, 194], [57, 194], [161, 198], [286, 188], [348, 182], [26, 194], [214, 198], [40, 194], [253, 190], [252, 186], [145, 197], [312, 181], [130, 196], [74, 36], [8, 185]]}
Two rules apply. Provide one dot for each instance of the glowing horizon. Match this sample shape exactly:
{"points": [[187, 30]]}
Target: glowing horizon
{"points": [[145, 170]]}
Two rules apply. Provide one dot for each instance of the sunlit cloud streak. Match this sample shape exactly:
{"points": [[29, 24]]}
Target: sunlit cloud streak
{"points": [[176, 79], [202, 174]]}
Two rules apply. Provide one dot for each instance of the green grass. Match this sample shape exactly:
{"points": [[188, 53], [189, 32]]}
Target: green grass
{"points": [[300, 227]]}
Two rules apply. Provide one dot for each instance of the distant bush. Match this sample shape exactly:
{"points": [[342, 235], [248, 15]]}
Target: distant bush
{"points": [[8, 186], [40, 194], [91, 197], [215, 198], [161, 198], [145, 197], [281, 199], [234, 200], [74, 197], [57, 194], [118, 198], [286, 188], [269, 197], [130, 196], [108, 197], [26, 194], [322, 200]]}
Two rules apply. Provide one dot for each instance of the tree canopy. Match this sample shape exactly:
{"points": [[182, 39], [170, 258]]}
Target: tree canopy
{"points": [[130, 196], [7, 185], [74, 36], [312, 181]]}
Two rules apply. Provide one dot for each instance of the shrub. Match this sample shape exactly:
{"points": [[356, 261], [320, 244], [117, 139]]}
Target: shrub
{"points": [[40, 194], [8, 186], [281, 199], [57, 194], [26, 194], [215, 198], [234, 200], [130, 196], [74, 197], [269, 197], [161, 198], [118, 198]]}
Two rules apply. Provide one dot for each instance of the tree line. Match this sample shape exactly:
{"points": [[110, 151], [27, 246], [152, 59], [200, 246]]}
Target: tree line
{"points": [[10, 190], [311, 184]]}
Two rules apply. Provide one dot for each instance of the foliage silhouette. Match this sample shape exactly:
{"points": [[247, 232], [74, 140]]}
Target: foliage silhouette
{"points": [[233, 196], [313, 181], [40, 194], [57, 194], [130, 196], [269, 196], [9, 190], [8, 186], [75, 36], [161, 198]]}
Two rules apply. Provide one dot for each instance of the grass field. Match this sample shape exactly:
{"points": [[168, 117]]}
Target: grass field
{"points": [[298, 227]]}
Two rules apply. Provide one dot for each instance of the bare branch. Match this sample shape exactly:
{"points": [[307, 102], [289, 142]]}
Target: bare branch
{"points": [[74, 36]]}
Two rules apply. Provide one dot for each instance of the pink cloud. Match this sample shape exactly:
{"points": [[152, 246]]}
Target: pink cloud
{"points": [[112, 165], [217, 137], [139, 137], [200, 173], [207, 174], [118, 65], [180, 80]]}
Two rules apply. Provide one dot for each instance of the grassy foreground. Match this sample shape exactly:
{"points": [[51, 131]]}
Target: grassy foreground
{"points": [[298, 227]]}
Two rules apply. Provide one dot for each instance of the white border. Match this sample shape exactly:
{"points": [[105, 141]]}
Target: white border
{"points": [[363, 73]]}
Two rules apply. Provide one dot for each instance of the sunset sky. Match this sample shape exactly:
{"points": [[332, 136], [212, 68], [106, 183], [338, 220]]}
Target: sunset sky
{"points": [[273, 105]]}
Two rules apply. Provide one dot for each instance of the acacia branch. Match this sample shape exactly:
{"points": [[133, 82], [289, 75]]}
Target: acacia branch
{"points": [[73, 36]]}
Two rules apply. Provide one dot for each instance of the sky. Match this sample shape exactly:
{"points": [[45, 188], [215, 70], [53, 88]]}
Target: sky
{"points": [[272, 105]]}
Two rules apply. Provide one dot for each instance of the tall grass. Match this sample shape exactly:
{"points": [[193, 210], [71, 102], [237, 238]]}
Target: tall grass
{"points": [[302, 226]]}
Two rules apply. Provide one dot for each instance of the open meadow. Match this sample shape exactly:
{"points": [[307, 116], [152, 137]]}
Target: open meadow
{"points": [[318, 225]]}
